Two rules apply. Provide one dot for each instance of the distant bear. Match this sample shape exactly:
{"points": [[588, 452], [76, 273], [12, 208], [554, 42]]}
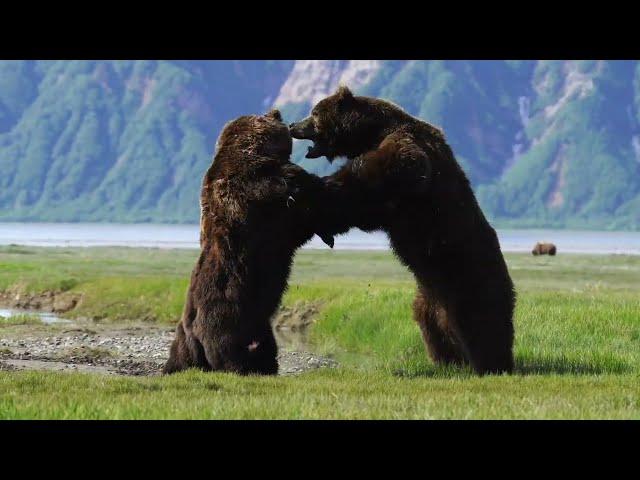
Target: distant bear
{"points": [[256, 210], [544, 249], [402, 177]]}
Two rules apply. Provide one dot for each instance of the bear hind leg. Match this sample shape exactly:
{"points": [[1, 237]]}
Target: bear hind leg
{"points": [[440, 344], [247, 355], [262, 355], [185, 353], [488, 343]]}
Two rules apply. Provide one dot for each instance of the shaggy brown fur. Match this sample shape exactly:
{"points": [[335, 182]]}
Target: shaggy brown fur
{"points": [[402, 177], [544, 249], [256, 210]]}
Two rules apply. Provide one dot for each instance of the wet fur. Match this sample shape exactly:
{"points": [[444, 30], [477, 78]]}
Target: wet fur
{"points": [[402, 177], [257, 208]]}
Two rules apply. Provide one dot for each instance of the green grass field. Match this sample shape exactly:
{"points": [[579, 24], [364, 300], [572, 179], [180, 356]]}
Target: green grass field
{"points": [[577, 342]]}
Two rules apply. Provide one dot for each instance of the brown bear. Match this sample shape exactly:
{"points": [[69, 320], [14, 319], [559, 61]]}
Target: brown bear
{"points": [[544, 249], [402, 177], [257, 208]]}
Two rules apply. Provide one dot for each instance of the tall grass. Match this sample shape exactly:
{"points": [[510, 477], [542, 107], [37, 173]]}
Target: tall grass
{"points": [[577, 342]]}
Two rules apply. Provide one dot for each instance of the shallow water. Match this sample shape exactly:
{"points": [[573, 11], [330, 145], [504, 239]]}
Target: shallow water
{"points": [[297, 339], [45, 317], [187, 236]]}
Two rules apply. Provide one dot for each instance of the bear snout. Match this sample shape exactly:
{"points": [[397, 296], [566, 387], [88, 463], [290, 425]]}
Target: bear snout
{"points": [[303, 130]]}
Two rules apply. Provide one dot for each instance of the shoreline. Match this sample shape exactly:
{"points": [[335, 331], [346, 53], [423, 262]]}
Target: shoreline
{"points": [[186, 237], [348, 248]]}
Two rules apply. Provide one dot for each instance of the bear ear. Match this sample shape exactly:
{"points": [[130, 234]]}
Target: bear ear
{"points": [[275, 113], [343, 93]]}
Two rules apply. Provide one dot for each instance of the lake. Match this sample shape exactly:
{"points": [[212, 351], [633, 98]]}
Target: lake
{"points": [[187, 236]]}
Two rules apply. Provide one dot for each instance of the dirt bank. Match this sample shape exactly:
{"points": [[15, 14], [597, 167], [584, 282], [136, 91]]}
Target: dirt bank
{"points": [[47, 301], [111, 349]]}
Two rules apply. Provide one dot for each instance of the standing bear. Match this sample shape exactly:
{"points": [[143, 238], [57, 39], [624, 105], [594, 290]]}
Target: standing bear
{"points": [[402, 177], [257, 208]]}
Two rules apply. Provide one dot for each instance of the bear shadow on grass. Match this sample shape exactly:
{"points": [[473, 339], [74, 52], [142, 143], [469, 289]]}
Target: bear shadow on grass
{"points": [[523, 367]]}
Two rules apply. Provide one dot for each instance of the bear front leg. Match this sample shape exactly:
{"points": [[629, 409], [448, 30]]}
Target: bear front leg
{"points": [[397, 166], [309, 201], [368, 188]]}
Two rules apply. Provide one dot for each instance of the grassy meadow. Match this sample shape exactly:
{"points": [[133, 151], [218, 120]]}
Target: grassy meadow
{"points": [[577, 341]]}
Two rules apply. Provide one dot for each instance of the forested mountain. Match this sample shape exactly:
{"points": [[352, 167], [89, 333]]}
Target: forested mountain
{"points": [[118, 141], [545, 143]]}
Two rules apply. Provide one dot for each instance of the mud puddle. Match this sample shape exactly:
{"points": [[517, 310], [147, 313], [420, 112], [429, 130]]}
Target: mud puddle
{"points": [[44, 317], [132, 349]]}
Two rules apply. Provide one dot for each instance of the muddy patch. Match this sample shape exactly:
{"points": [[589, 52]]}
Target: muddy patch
{"points": [[293, 362], [112, 349], [17, 317], [291, 325], [49, 301], [31, 364], [296, 318]]}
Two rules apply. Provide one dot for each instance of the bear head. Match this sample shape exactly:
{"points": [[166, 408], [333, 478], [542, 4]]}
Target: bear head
{"points": [[257, 136], [345, 125]]}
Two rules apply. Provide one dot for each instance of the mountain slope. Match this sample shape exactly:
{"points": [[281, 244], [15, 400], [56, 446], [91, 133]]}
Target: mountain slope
{"points": [[545, 143], [124, 140], [580, 167]]}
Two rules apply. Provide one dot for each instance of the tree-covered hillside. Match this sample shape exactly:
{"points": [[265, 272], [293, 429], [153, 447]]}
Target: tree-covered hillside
{"points": [[545, 143], [118, 141]]}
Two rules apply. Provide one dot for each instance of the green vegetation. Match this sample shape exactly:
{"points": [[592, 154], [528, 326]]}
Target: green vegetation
{"points": [[576, 166], [22, 319], [545, 143], [118, 140], [577, 342], [115, 283], [343, 393], [583, 171]]}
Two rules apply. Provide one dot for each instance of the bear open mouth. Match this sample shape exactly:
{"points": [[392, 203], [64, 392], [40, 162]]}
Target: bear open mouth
{"points": [[305, 130], [314, 151]]}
